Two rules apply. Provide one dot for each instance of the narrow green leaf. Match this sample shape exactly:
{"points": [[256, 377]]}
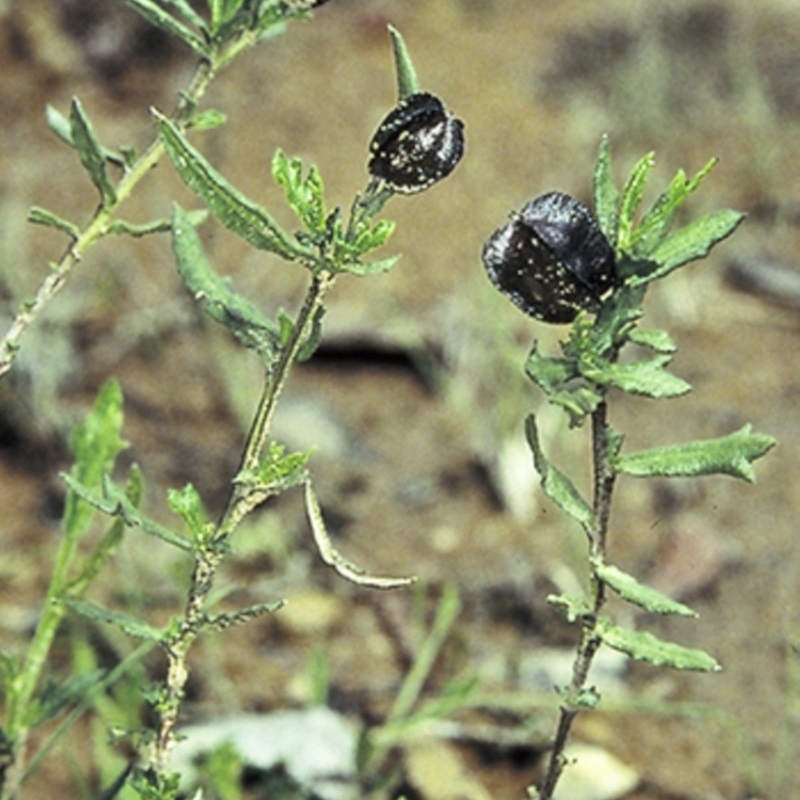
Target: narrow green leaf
{"points": [[627, 587], [727, 455], [221, 622], [658, 220], [225, 306], [691, 242], [41, 216], [62, 127], [557, 486], [407, 81], [115, 502], [59, 124], [208, 119], [238, 213], [95, 445], [560, 380], [364, 268], [112, 538], [606, 195], [161, 19], [91, 153], [657, 340], [131, 625], [313, 336], [644, 646], [121, 227], [372, 238], [632, 195], [58, 696], [183, 7], [283, 471], [646, 377], [188, 505]]}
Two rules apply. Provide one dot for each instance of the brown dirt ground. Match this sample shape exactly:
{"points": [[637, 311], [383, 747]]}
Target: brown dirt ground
{"points": [[418, 384]]}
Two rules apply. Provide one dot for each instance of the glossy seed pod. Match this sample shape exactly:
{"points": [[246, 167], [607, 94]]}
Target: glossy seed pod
{"points": [[417, 144], [552, 260]]}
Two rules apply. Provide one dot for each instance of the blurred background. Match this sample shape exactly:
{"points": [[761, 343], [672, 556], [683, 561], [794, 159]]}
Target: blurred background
{"points": [[416, 399]]}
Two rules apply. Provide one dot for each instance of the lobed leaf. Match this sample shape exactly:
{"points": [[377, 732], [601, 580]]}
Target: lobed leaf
{"points": [[658, 220], [305, 196], [237, 212], [188, 505], [91, 153], [557, 486], [627, 587], [643, 646], [646, 377], [691, 242], [727, 455], [657, 340], [235, 312]]}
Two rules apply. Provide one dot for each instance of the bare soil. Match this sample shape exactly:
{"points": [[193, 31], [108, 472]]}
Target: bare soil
{"points": [[418, 385]]}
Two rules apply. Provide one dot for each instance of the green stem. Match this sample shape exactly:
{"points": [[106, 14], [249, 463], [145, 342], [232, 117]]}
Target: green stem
{"points": [[209, 557], [98, 225], [238, 506]]}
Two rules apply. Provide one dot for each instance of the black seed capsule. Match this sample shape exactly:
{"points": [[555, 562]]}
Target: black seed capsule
{"points": [[552, 260], [417, 144]]}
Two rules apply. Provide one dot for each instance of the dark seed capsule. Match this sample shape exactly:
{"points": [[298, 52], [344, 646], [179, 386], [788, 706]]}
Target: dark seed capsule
{"points": [[417, 144], [552, 260]]}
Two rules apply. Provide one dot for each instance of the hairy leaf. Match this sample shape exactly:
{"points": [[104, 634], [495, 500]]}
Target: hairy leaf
{"points": [[627, 587], [304, 195], [164, 20], [91, 154], [125, 622], [407, 81], [691, 242], [606, 195], [41, 216], [643, 646], [95, 445], [646, 377], [115, 502], [235, 312], [656, 223], [727, 455], [557, 486], [632, 195], [187, 504], [657, 340], [237, 212]]}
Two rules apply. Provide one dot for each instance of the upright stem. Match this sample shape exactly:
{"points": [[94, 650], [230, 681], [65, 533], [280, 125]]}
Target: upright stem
{"points": [[209, 556], [604, 477]]}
